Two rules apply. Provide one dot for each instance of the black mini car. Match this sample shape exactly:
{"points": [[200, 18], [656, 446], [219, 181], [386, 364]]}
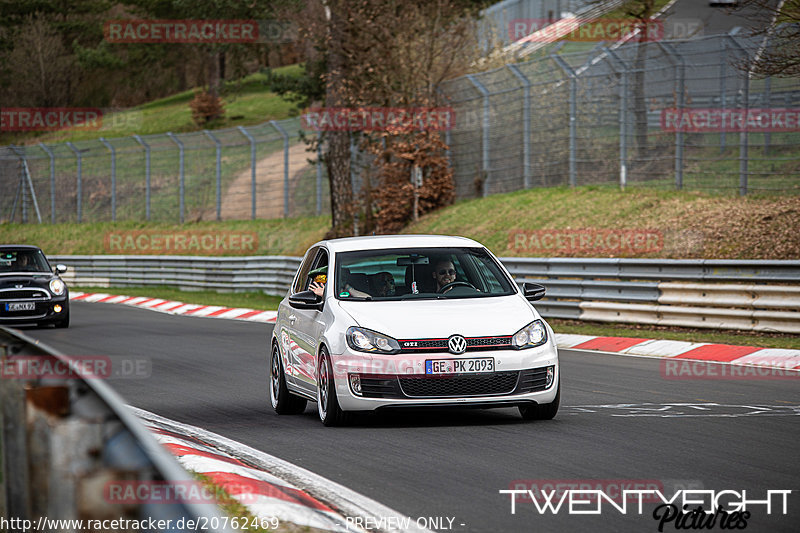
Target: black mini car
{"points": [[31, 291]]}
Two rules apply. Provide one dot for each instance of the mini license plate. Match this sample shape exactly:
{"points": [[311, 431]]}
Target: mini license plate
{"points": [[477, 365], [21, 306]]}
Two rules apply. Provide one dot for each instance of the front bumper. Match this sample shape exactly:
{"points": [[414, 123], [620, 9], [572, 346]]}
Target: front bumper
{"points": [[520, 377], [43, 311]]}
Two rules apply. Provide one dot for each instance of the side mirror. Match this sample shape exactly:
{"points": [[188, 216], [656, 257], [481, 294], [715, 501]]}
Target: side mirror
{"points": [[60, 269], [305, 300], [533, 291]]}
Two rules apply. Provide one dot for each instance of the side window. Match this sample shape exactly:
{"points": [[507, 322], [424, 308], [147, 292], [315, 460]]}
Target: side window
{"points": [[301, 282], [314, 260]]}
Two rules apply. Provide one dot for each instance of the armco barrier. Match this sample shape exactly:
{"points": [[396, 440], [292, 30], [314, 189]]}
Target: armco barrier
{"points": [[64, 438], [757, 295]]}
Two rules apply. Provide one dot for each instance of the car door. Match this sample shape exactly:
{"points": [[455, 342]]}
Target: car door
{"points": [[304, 329]]}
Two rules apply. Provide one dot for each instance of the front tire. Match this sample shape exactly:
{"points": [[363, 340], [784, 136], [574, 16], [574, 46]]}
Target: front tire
{"points": [[545, 411], [283, 401], [327, 404]]}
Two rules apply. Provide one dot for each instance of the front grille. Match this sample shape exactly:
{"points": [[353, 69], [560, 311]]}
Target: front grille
{"points": [[24, 294], [459, 386], [474, 344]]}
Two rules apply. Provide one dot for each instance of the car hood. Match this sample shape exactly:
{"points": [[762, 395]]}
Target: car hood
{"points": [[417, 319], [34, 279]]}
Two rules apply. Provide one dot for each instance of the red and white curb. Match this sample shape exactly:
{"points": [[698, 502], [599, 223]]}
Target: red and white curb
{"points": [[270, 487], [694, 351], [177, 308]]}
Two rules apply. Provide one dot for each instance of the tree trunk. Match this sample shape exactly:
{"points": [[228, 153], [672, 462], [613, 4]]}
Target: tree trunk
{"points": [[337, 157]]}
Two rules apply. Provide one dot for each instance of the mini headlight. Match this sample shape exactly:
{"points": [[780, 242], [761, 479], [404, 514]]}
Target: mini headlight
{"points": [[534, 334], [366, 340], [57, 287]]}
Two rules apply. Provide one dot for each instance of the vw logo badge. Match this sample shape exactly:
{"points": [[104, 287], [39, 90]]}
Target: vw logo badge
{"points": [[457, 344]]}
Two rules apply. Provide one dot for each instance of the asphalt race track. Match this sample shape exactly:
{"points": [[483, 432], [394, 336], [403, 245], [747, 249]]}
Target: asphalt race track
{"points": [[451, 464]]}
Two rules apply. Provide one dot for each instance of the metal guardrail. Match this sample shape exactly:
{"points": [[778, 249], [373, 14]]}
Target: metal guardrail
{"points": [[270, 274], [757, 295], [65, 436]]}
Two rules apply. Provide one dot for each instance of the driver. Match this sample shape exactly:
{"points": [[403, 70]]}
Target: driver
{"points": [[443, 273]]}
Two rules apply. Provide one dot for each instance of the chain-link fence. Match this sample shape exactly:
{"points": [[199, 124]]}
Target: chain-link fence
{"points": [[238, 173], [669, 114]]}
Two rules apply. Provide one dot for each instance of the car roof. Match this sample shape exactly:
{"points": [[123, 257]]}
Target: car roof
{"points": [[377, 242], [18, 247]]}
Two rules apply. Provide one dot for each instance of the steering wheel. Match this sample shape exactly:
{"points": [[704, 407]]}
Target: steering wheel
{"points": [[452, 284]]}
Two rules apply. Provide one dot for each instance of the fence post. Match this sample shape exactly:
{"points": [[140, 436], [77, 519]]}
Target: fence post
{"points": [[113, 178], [573, 95], [724, 99], [319, 173], [285, 167], [486, 115], [526, 124], [768, 105], [743, 137], [623, 117], [218, 145], [50, 153], [181, 170], [146, 175], [252, 171], [80, 170], [680, 83]]}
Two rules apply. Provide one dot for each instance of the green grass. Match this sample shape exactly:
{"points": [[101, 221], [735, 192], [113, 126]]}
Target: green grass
{"points": [[247, 102], [249, 300]]}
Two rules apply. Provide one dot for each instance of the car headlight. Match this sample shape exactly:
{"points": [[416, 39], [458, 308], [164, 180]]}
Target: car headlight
{"points": [[366, 340], [534, 334], [57, 287]]}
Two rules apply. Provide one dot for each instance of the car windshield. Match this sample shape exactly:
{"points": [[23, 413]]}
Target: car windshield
{"points": [[419, 273], [23, 261]]}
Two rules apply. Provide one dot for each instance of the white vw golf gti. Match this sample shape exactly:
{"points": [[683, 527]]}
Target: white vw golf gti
{"points": [[410, 321]]}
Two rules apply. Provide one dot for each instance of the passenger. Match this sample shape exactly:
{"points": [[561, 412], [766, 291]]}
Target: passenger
{"points": [[381, 284]]}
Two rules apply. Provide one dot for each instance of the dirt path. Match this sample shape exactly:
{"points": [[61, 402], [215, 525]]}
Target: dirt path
{"points": [[236, 201]]}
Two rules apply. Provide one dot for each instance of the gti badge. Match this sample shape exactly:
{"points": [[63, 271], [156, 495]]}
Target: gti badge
{"points": [[457, 344]]}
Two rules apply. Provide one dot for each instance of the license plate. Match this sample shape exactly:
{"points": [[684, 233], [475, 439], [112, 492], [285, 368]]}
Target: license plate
{"points": [[459, 366], [22, 306]]}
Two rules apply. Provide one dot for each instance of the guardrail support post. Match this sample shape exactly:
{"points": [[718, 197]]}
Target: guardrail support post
{"points": [[182, 170], [113, 178], [573, 116], [285, 167], [252, 171], [146, 175], [79, 179], [485, 128], [526, 124], [218, 159]]}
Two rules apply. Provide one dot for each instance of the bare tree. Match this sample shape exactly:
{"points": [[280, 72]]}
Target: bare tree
{"points": [[780, 27]]}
